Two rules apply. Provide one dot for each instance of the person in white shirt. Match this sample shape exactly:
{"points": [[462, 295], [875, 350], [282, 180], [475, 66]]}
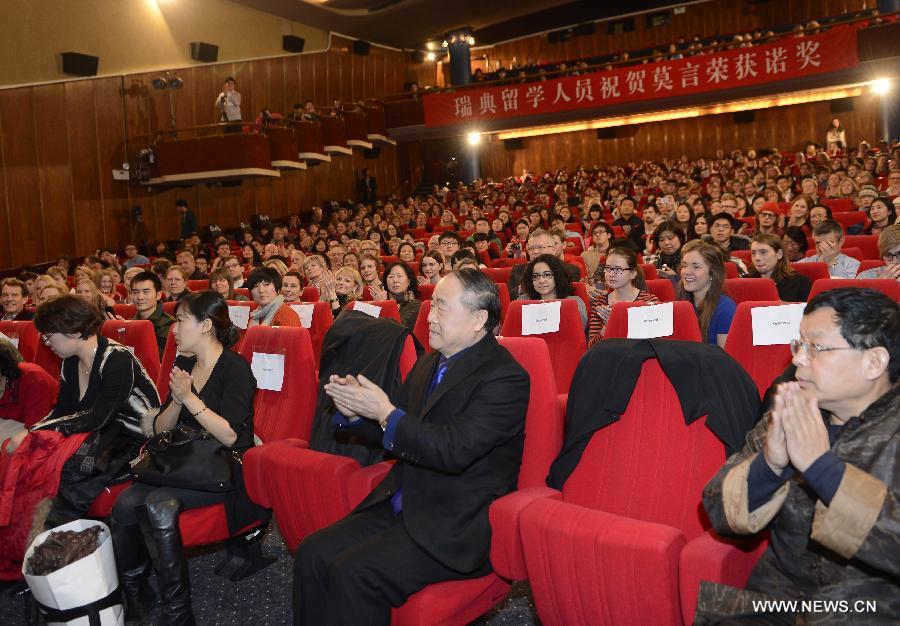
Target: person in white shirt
{"points": [[829, 238], [229, 102]]}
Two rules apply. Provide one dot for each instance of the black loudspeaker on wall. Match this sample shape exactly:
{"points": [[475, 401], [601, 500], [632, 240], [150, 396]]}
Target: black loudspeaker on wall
{"points": [[744, 117], [842, 105], [361, 47], [588, 28], [292, 43], [513, 144], [79, 64], [558, 36], [372, 153], [206, 52], [606, 133]]}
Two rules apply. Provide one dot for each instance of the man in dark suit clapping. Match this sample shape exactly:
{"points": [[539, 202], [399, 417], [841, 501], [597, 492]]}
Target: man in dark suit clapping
{"points": [[457, 431]]}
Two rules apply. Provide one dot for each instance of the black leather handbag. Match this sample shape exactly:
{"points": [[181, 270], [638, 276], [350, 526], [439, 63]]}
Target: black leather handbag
{"points": [[187, 458]]}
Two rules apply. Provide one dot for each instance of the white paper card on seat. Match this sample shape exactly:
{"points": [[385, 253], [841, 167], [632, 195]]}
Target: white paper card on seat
{"points": [[305, 313], [240, 315], [268, 370], [650, 322], [538, 319], [776, 325], [368, 308]]}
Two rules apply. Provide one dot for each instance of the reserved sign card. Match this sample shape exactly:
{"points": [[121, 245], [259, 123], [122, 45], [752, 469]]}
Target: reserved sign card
{"points": [[650, 322], [538, 319], [776, 325]]}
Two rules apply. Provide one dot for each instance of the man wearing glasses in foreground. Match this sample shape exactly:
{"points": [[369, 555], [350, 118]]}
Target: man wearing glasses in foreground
{"points": [[821, 473]]}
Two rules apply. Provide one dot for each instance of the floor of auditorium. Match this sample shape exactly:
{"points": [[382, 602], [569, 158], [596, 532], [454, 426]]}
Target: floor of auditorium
{"points": [[264, 598]]}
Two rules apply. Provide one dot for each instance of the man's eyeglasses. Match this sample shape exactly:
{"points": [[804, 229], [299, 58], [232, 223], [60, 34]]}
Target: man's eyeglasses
{"points": [[812, 349], [541, 276], [539, 248], [612, 269], [767, 214]]}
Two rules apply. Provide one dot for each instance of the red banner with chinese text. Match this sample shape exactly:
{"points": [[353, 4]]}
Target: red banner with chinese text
{"points": [[785, 59]]}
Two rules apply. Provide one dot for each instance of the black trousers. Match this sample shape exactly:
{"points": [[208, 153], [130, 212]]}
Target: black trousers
{"points": [[141, 493], [354, 571]]}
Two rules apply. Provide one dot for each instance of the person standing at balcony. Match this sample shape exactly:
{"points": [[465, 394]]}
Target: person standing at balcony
{"points": [[229, 103]]}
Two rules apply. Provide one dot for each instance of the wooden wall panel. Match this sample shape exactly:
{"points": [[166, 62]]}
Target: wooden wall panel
{"points": [[787, 128], [717, 17]]}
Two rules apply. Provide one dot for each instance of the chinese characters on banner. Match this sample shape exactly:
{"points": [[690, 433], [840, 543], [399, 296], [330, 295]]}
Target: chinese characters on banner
{"points": [[778, 61]]}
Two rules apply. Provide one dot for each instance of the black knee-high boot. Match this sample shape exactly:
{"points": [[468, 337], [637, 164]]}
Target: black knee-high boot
{"points": [[133, 565], [159, 523]]}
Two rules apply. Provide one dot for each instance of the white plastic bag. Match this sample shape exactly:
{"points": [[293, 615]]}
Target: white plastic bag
{"points": [[81, 583]]}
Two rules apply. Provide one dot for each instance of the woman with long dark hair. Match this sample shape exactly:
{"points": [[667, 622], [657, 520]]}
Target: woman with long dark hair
{"points": [[545, 278], [211, 391], [769, 261]]}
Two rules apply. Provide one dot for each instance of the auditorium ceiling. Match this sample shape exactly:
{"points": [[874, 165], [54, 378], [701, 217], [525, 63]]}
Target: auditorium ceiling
{"points": [[412, 23]]}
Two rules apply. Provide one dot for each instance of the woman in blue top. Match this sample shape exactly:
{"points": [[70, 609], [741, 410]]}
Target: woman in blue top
{"points": [[702, 281]]}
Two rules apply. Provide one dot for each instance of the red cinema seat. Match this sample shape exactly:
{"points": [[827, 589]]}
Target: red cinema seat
{"points": [[839, 205], [420, 330], [731, 270], [755, 289], [165, 367], [888, 287], [24, 336], [813, 271], [140, 337], [503, 294], [389, 308], [322, 319], [288, 413], [596, 551], [461, 602], [497, 274], [662, 288], [127, 311], [35, 397], [46, 358], [850, 218], [387, 259], [310, 294], [763, 363], [649, 270], [566, 346], [868, 264], [198, 285], [425, 292], [242, 291], [580, 289], [170, 307], [743, 255], [867, 244], [684, 321], [576, 247]]}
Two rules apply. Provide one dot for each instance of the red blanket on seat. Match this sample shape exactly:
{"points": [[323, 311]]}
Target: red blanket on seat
{"points": [[28, 476]]}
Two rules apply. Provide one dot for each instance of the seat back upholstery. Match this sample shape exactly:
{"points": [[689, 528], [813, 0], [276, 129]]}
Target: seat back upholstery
{"points": [[497, 274], [420, 330], [566, 346], [165, 366], [755, 289], [287, 413], [887, 286], [684, 321], [867, 244], [310, 294], [649, 465], [543, 422], [425, 292], [763, 363], [389, 308], [662, 288], [198, 285], [813, 271], [140, 337], [24, 336], [322, 319], [128, 311]]}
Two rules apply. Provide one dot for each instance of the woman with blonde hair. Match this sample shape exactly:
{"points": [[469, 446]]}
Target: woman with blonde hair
{"points": [[40, 283], [278, 265], [87, 291], [344, 286], [702, 284], [59, 275], [106, 280]]}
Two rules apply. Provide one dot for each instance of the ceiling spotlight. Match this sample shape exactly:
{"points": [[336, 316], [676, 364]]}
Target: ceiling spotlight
{"points": [[881, 86], [471, 40], [160, 82], [430, 56], [444, 44], [473, 138]]}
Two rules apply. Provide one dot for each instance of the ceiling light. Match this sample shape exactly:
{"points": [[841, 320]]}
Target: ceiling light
{"points": [[881, 86], [430, 56], [473, 138], [444, 44], [471, 40]]}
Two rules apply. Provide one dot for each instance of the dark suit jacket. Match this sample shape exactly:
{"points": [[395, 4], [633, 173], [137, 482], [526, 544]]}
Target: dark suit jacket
{"points": [[458, 451]]}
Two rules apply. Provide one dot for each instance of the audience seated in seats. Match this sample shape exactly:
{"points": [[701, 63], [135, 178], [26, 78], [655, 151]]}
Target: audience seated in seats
{"points": [[370, 270], [702, 283], [264, 284], [889, 251], [668, 239], [545, 279], [13, 299], [146, 294], [399, 284], [881, 215], [722, 229], [594, 256], [28, 392], [235, 271], [819, 472], [539, 242], [176, 283], [795, 244], [86, 289], [458, 434], [292, 287], [213, 391], [341, 287], [829, 237], [104, 397], [222, 283], [769, 261], [624, 283]]}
